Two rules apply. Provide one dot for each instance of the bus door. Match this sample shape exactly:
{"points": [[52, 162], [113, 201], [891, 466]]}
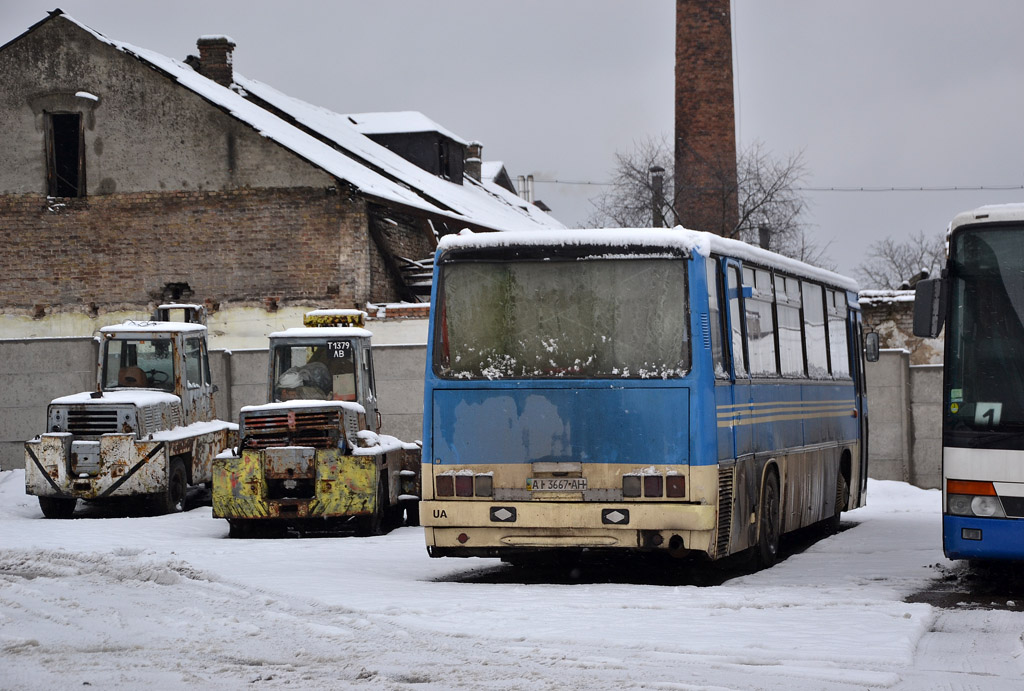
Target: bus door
{"points": [[861, 395], [737, 407]]}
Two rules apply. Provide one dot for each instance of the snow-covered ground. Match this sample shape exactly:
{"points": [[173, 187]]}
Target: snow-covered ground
{"points": [[169, 602]]}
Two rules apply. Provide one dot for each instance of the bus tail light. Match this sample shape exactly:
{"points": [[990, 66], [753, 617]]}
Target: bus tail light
{"points": [[631, 486], [675, 486], [653, 485], [444, 485], [484, 485], [463, 485]]}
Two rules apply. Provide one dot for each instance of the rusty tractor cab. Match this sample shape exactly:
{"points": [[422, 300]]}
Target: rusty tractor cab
{"points": [[148, 430], [313, 458]]}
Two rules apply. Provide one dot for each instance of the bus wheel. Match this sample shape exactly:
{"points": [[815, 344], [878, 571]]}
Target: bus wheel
{"points": [[57, 507], [842, 498], [769, 523]]}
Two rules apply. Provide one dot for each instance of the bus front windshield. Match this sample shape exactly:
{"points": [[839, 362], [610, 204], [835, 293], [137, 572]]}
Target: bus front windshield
{"points": [[323, 371], [985, 379], [620, 317]]}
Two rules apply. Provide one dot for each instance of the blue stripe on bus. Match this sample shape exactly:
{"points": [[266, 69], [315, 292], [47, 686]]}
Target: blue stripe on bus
{"points": [[775, 416], [1001, 538], [590, 425]]}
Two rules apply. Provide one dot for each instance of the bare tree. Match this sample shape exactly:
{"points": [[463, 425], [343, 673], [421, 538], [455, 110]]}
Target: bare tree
{"points": [[765, 188], [890, 264]]}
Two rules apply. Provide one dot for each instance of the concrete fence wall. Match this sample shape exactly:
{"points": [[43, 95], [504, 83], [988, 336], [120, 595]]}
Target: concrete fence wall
{"points": [[904, 401], [904, 409], [35, 371]]}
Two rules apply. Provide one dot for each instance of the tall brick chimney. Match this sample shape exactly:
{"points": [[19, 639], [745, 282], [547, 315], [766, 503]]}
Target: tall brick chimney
{"points": [[705, 132], [474, 160], [216, 58]]}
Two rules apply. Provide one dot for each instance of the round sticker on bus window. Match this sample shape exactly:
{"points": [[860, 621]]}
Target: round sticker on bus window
{"points": [[954, 407]]}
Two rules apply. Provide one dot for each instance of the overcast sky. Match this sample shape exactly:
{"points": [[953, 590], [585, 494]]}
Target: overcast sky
{"points": [[875, 93]]}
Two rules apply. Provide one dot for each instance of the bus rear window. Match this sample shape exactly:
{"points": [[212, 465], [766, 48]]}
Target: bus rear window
{"points": [[600, 318]]}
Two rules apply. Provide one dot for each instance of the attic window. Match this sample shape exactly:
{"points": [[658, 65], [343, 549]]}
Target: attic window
{"points": [[65, 155], [443, 167]]}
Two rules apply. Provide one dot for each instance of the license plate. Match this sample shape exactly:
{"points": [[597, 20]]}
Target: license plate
{"points": [[556, 484]]}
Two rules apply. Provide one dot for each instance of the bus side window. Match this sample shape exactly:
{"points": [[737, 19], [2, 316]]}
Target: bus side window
{"points": [[760, 323], [840, 352], [739, 359], [715, 319], [814, 331], [787, 308]]}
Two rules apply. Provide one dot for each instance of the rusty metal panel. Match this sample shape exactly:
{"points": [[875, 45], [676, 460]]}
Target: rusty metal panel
{"points": [[239, 486], [345, 485], [289, 462]]}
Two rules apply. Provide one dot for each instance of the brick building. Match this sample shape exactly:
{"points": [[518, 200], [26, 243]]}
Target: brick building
{"points": [[705, 120], [128, 178], [890, 313]]}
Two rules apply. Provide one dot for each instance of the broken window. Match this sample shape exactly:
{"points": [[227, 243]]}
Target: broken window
{"points": [[65, 155]]}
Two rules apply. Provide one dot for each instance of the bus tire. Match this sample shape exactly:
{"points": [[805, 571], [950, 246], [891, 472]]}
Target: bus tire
{"points": [[57, 507], [769, 522], [842, 498]]}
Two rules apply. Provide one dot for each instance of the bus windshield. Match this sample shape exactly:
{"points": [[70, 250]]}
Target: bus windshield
{"points": [[986, 368], [596, 318]]}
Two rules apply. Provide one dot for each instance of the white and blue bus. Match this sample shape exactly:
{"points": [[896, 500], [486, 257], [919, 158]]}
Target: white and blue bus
{"points": [[636, 390], [980, 300]]}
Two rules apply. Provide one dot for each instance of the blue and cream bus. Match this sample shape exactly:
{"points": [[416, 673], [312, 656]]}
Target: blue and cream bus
{"points": [[651, 389], [980, 299]]}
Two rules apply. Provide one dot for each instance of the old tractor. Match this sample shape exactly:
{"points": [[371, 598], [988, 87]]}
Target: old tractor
{"points": [[147, 431], [313, 459]]}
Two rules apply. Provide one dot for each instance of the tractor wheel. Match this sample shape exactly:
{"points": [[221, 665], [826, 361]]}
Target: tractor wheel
{"points": [[57, 507]]}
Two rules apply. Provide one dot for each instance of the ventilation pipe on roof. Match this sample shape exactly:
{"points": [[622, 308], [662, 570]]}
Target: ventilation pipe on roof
{"points": [[474, 154], [521, 186], [216, 59]]}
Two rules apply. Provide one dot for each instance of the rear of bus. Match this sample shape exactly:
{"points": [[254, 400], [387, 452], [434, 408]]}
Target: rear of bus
{"points": [[560, 397], [983, 388]]}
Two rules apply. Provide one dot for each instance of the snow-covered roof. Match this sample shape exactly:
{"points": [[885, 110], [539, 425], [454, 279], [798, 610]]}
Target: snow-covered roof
{"points": [[388, 176], [882, 297], [322, 332], [677, 238], [990, 213], [130, 326], [483, 203], [491, 169], [399, 122]]}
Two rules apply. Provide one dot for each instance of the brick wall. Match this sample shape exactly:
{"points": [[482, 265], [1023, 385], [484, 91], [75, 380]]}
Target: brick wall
{"points": [[705, 139], [305, 246], [890, 313]]}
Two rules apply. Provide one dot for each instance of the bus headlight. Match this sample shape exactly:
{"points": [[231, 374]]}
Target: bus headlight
{"points": [[968, 505], [973, 498], [987, 506]]}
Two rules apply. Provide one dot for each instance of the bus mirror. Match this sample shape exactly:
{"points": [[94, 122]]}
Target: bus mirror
{"points": [[871, 347], [929, 307]]}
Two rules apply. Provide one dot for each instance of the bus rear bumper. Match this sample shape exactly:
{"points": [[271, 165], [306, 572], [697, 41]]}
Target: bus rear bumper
{"points": [[983, 538], [473, 528]]}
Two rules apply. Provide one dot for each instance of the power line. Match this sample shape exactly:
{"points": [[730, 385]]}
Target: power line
{"points": [[863, 188]]}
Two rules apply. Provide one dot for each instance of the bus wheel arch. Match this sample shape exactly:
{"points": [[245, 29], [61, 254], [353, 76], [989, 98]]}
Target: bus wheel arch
{"points": [[769, 517]]}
